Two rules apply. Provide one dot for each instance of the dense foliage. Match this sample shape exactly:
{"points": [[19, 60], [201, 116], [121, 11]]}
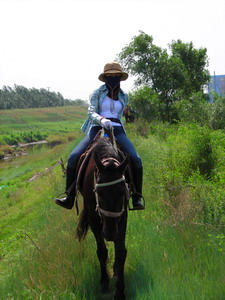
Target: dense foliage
{"points": [[194, 109], [22, 97], [171, 76], [185, 167]]}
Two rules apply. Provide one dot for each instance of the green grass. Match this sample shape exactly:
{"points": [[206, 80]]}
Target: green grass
{"points": [[24, 125], [176, 250]]}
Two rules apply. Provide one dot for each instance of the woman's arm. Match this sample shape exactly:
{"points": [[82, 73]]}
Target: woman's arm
{"points": [[93, 108]]}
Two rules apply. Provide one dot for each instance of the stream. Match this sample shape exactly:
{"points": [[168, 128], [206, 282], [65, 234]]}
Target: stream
{"points": [[21, 154], [28, 157]]}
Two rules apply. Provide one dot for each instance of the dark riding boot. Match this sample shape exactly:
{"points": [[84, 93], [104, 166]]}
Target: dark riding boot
{"points": [[68, 201], [137, 195]]}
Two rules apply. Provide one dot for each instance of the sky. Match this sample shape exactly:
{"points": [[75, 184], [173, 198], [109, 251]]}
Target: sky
{"points": [[63, 45]]}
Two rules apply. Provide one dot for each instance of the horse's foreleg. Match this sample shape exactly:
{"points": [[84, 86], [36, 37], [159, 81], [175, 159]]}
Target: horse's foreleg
{"points": [[120, 257], [102, 254]]}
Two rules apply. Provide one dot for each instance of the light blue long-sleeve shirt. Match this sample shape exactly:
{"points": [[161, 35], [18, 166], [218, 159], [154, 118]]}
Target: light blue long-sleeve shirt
{"points": [[94, 108]]}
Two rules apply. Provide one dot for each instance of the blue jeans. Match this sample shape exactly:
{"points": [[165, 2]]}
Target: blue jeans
{"points": [[121, 138]]}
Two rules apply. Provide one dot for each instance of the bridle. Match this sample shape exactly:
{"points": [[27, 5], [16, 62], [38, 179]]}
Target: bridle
{"points": [[106, 213]]}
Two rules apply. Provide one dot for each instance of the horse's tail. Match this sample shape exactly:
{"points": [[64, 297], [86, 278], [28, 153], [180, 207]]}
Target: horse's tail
{"points": [[82, 226]]}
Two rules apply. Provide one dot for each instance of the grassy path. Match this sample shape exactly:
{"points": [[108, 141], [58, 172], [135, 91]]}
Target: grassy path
{"points": [[164, 261], [168, 259]]}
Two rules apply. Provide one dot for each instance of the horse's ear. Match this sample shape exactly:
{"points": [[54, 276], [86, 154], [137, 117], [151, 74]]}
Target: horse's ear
{"points": [[124, 164], [98, 162]]}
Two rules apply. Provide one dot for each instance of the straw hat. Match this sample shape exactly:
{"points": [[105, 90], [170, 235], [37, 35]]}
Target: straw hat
{"points": [[113, 68]]}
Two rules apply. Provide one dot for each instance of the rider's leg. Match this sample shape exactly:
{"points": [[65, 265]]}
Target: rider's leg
{"points": [[68, 201], [129, 148], [137, 196]]}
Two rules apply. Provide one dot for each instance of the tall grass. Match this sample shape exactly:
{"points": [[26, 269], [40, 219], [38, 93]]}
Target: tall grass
{"points": [[164, 262], [29, 125], [176, 247]]}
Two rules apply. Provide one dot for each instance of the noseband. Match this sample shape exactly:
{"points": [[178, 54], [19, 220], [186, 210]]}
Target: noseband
{"points": [[106, 184]]}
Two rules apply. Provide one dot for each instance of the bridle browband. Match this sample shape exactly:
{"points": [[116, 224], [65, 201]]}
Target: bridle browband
{"points": [[110, 182]]}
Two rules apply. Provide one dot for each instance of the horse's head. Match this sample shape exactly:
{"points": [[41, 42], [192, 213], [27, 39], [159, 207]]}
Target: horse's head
{"points": [[111, 193]]}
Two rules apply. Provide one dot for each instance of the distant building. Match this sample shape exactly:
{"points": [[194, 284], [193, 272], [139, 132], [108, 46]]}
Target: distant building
{"points": [[216, 84]]}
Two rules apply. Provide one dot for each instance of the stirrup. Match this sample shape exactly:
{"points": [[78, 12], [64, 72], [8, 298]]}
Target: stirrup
{"points": [[65, 194], [65, 202]]}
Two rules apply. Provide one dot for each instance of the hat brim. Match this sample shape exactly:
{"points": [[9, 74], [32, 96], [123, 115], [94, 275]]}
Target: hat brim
{"points": [[124, 75]]}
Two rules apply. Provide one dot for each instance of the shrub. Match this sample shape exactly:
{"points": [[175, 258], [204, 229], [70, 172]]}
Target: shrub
{"points": [[193, 175], [12, 139], [2, 141], [31, 136], [142, 128], [193, 110], [210, 198], [146, 103], [217, 112], [191, 150], [23, 137]]}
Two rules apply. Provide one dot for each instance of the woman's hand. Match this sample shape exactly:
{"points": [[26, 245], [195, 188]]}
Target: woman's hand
{"points": [[107, 124]]}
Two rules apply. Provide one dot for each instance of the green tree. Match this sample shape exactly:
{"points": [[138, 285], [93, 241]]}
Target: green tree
{"points": [[217, 112], [194, 63], [21, 97], [146, 103], [169, 75]]}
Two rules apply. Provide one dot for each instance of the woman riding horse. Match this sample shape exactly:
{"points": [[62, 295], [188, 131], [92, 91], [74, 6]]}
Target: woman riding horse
{"points": [[107, 104], [105, 191]]}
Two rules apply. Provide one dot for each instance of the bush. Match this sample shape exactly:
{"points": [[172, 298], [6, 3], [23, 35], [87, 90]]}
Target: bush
{"points": [[193, 110], [210, 198], [217, 112], [192, 174], [23, 137], [218, 144], [193, 151], [2, 141], [12, 139], [146, 103], [30, 137]]}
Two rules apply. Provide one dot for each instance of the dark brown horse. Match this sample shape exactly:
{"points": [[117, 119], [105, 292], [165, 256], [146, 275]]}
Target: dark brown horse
{"points": [[105, 193], [129, 114]]}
